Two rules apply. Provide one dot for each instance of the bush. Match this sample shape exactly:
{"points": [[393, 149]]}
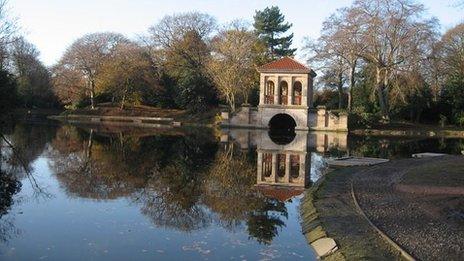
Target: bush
{"points": [[459, 119], [359, 118]]}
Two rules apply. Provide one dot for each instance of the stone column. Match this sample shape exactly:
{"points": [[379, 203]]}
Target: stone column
{"points": [[262, 85], [307, 171], [290, 91], [274, 168], [304, 92], [260, 168], [302, 173], [287, 169], [310, 91], [321, 117], [276, 90]]}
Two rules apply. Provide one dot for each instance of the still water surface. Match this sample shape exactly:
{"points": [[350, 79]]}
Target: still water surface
{"points": [[113, 194]]}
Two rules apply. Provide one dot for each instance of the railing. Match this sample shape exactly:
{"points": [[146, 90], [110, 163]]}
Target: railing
{"points": [[283, 99], [269, 99]]}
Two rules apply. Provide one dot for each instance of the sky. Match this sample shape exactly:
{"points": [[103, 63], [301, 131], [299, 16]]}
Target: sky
{"points": [[52, 25]]}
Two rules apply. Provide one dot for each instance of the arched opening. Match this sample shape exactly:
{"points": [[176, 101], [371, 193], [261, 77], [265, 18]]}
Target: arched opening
{"points": [[269, 93], [297, 91], [282, 129], [281, 162], [267, 164], [294, 166], [283, 91]]}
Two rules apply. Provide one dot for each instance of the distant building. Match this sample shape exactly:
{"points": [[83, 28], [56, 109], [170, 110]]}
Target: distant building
{"points": [[286, 101]]}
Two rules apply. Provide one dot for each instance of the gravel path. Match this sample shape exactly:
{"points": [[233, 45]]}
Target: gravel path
{"points": [[429, 226]]}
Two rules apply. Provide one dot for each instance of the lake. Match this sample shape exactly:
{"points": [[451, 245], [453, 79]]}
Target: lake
{"points": [[112, 193]]}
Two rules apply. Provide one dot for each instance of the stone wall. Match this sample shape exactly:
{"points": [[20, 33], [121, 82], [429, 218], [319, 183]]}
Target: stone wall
{"points": [[322, 119], [306, 119]]}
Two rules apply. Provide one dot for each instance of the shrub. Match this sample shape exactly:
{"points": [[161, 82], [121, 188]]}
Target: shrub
{"points": [[359, 118]]}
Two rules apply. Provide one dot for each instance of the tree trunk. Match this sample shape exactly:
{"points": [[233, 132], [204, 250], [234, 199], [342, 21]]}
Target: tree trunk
{"points": [[340, 91], [232, 103], [380, 93], [385, 96], [123, 100], [352, 83], [88, 152], [92, 95]]}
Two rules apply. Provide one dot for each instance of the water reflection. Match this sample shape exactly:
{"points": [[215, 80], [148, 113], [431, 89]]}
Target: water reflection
{"points": [[183, 182], [237, 181]]}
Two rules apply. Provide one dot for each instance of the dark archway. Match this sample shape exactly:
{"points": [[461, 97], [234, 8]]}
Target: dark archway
{"points": [[297, 91], [282, 129]]}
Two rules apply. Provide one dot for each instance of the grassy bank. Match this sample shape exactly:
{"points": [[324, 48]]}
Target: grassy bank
{"points": [[409, 129], [183, 116]]}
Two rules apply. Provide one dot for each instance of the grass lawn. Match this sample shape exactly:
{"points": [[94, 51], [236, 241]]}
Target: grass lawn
{"points": [[449, 173], [108, 109]]}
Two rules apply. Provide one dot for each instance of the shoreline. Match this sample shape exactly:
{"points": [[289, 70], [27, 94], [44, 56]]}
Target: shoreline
{"points": [[442, 133], [404, 221]]}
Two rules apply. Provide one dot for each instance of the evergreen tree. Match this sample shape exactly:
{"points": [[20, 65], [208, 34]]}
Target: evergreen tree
{"points": [[270, 25]]}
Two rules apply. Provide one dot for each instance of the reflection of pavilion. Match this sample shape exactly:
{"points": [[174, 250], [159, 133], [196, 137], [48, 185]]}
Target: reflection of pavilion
{"points": [[286, 164]]}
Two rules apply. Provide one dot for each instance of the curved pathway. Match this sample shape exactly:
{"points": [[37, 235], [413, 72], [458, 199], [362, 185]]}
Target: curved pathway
{"points": [[418, 204]]}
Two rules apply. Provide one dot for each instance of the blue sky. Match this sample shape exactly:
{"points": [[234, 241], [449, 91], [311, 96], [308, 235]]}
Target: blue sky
{"points": [[52, 25]]}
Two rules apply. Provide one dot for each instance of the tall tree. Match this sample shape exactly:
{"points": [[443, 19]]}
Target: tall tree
{"points": [[34, 79], [128, 75], [182, 41], [448, 58], [8, 30], [337, 49], [396, 36], [270, 26], [84, 59], [232, 66]]}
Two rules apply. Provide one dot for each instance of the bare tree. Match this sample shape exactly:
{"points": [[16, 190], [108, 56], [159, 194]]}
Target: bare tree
{"points": [[128, 73], [8, 29], [393, 33], [181, 43], [449, 52], [232, 65], [337, 49], [33, 78], [172, 28], [85, 57]]}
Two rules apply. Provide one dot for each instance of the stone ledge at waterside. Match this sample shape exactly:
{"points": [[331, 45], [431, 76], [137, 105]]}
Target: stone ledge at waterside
{"points": [[152, 122], [410, 133]]}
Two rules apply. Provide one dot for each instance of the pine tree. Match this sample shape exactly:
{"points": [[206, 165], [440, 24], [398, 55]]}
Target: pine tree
{"points": [[269, 25]]}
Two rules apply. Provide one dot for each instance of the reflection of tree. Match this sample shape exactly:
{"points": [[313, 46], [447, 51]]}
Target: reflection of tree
{"points": [[9, 186], [385, 147], [229, 183], [178, 181], [171, 197], [20, 149], [88, 167], [263, 223], [162, 173], [229, 192], [28, 142]]}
